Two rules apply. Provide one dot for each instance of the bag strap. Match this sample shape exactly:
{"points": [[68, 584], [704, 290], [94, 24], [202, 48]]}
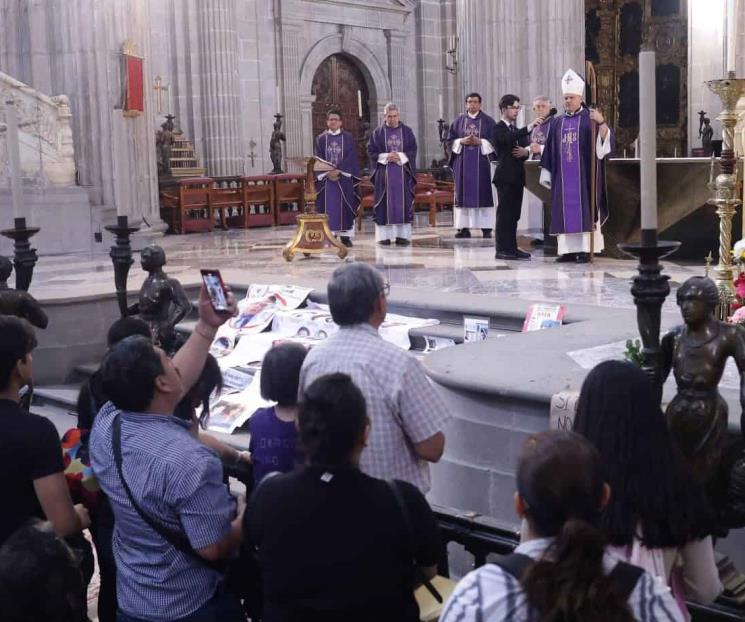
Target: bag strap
{"points": [[410, 539], [515, 564], [176, 539], [623, 577]]}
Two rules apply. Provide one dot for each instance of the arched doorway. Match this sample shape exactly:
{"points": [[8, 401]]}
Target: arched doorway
{"points": [[336, 83]]}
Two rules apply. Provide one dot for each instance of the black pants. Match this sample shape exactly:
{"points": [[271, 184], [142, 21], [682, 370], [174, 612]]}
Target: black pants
{"points": [[510, 198]]}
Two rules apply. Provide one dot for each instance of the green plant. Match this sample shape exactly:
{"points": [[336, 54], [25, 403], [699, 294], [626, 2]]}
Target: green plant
{"points": [[633, 353]]}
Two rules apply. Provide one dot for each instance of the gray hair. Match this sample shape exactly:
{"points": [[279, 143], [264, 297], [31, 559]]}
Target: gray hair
{"points": [[352, 292], [390, 107], [542, 98]]}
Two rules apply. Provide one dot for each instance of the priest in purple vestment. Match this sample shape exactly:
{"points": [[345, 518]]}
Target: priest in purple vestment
{"points": [[542, 109], [392, 149], [336, 196], [471, 154], [566, 166]]}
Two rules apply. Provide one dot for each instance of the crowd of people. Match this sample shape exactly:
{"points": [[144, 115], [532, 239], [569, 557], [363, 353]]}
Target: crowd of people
{"points": [[337, 526]]}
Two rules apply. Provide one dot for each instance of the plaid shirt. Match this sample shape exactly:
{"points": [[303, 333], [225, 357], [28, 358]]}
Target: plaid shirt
{"points": [[404, 408]]}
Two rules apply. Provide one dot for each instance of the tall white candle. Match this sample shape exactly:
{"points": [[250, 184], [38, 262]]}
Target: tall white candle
{"points": [[14, 157], [276, 94], [648, 139], [440, 108], [731, 34], [359, 103]]}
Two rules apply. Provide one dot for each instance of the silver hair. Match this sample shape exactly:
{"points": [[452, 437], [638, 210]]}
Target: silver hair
{"points": [[389, 107], [542, 98], [352, 292]]}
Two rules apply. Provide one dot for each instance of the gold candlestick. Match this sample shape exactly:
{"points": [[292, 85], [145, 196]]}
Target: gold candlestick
{"points": [[724, 195]]}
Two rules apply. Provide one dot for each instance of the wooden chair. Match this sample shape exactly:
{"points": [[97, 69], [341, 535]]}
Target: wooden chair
{"points": [[185, 206], [226, 199], [289, 191], [258, 201], [427, 194]]}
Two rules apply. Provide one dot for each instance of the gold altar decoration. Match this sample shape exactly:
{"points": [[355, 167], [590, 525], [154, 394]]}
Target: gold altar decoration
{"points": [[313, 235], [724, 187]]}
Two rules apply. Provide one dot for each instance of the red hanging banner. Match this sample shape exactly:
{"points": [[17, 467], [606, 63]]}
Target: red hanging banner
{"points": [[134, 92]]}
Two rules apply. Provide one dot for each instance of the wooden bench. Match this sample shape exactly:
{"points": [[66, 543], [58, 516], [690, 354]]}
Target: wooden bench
{"points": [[289, 197], [185, 205], [226, 199], [258, 201]]}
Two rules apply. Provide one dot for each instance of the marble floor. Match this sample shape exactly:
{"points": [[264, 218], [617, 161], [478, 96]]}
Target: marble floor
{"points": [[435, 261]]}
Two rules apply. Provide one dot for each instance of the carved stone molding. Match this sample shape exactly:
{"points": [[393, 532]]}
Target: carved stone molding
{"points": [[45, 133]]}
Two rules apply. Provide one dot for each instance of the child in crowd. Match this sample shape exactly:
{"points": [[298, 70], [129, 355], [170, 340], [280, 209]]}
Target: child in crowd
{"points": [[274, 439]]}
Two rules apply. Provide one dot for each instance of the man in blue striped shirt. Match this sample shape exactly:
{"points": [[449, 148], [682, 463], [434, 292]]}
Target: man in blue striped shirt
{"points": [[175, 480]]}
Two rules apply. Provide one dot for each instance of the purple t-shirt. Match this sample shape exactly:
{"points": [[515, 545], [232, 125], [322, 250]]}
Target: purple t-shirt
{"points": [[273, 445]]}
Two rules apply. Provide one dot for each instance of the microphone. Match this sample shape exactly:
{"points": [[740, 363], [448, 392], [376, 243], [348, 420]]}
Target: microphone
{"points": [[551, 113]]}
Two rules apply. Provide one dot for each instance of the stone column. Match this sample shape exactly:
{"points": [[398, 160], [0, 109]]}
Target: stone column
{"points": [[396, 41], [220, 87], [518, 46]]}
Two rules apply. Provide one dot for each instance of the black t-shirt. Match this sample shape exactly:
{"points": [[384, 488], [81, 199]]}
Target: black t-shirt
{"points": [[333, 545], [30, 448]]}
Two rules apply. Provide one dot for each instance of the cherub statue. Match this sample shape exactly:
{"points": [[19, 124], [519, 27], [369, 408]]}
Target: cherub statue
{"points": [[18, 302], [697, 352], [163, 303], [706, 133]]}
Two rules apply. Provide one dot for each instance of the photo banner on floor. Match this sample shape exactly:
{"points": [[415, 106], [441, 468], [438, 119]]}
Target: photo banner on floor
{"points": [[269, 315]]}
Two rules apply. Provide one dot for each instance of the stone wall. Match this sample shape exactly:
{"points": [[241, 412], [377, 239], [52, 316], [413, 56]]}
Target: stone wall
{"points": [[73, 47], [518, 46]]}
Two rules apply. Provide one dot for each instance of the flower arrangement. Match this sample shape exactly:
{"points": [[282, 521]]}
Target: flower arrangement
{"points": [[738, 317]]}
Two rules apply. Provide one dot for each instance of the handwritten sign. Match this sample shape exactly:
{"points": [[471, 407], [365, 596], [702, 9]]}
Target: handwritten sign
{"points": [[542, 316], [563, 409]]}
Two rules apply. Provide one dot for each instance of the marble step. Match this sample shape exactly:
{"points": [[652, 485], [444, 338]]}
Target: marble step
{"points": [[59, 397]]}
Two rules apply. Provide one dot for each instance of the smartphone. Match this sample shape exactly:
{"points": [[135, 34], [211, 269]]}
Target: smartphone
{"points": [[215, 289]]}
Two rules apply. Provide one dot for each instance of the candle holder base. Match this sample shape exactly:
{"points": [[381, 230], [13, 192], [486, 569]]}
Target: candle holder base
{"points": [[650, 289], [121, 257], [24, 257]]}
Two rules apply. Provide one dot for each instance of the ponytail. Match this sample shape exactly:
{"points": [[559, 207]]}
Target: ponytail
{"points": [[570, 584]]}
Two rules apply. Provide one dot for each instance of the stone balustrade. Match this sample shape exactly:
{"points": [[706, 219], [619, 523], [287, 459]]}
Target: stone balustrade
{"points": [[44, 132]]}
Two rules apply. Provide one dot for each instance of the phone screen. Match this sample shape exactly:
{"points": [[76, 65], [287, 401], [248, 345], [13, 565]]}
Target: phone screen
{"points": [[215, 290]]}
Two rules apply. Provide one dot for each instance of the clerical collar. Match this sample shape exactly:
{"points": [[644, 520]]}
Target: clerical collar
{"points": [[473, 116], [336, 133], [571, 114]]}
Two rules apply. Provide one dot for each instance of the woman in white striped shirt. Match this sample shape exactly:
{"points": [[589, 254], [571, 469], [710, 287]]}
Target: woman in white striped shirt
{"points": [[561, 570]]}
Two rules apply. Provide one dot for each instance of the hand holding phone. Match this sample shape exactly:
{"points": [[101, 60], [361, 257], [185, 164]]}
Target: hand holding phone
{"points": [[215, 290]]}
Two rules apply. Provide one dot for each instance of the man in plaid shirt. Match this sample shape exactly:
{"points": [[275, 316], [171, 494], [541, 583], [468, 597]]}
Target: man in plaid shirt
{"points": [[407, 415]]}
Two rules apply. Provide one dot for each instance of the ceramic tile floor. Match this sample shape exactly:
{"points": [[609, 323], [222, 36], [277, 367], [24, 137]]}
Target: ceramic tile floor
{"points": [[436, 261]]}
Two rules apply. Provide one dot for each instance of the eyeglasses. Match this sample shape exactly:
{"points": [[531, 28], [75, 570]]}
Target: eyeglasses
{"points": [[518, 107], [386, 290]]}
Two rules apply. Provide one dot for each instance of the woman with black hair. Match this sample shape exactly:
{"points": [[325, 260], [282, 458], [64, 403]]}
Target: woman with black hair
{"points": [[560, 571], [657, 517], [335, 544]]}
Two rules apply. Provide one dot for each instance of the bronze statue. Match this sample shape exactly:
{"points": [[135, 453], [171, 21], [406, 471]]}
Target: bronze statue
{"points": [[16, 301], [163, 145], [163, 303], [275, 145], [706, 133], [697, 352]]}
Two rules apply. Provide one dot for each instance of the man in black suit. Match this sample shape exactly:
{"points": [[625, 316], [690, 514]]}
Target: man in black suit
{"points": [[511, 145]]}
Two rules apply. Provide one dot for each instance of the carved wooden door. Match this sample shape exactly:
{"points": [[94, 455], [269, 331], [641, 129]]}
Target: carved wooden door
{"points": [[615, 31], [335, 85]]}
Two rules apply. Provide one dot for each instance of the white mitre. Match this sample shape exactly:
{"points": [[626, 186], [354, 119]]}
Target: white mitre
{"points": [[572, 84]]}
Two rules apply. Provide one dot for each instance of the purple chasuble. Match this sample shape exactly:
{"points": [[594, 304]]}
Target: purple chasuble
{"points": [[567, 155], [471, 169], [394, 184], [337, 199]]}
